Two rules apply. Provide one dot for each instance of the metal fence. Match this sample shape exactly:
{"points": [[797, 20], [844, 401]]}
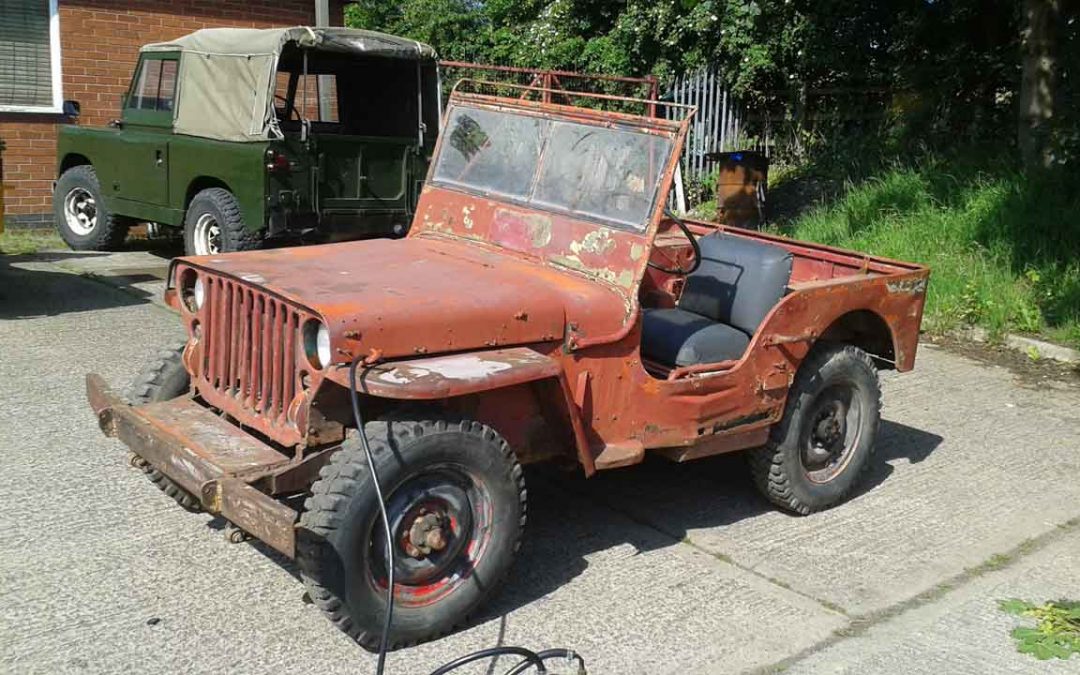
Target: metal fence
{"points": [[717, 126]]}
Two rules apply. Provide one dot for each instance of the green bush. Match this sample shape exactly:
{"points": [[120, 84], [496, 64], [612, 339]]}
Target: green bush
{"points": [[1004, 248]]}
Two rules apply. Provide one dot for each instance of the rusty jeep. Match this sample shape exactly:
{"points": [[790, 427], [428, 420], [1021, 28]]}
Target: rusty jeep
{"points": [[545, 306]]}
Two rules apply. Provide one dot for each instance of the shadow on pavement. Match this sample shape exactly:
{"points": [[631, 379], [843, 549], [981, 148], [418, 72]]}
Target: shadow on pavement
{"points": [[647, 507], [27, 293], [48, 256]]}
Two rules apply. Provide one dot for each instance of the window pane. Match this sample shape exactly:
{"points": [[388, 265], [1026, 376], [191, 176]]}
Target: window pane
{"points": [[25, 59], [147, 89], [610, 174], [167, 86], [602, 173], [490, 151]]}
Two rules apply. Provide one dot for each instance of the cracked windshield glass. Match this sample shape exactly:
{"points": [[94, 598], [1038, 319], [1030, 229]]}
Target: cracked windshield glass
{"points": [[609, 174]]}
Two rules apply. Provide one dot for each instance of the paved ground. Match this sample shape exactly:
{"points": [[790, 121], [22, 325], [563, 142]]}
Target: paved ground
{"points": [[655, 569]]}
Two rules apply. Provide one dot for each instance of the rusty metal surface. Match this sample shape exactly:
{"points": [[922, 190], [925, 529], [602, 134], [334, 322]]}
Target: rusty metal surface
{"points": [[203, 454], [717, 445], [486, 294], [453, 374], [254, 512]]}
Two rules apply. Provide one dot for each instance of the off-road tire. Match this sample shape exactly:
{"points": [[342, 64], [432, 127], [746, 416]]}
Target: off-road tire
{"points": [[778, 469], [109, 229], [220, 204], [162, 379], [342, 515]]}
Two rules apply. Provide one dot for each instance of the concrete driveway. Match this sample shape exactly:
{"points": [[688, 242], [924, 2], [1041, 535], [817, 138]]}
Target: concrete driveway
{"points": [[656, 569]]}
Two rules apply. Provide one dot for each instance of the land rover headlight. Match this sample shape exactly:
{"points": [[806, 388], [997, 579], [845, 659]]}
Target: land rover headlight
{"points": [[317, 343]]}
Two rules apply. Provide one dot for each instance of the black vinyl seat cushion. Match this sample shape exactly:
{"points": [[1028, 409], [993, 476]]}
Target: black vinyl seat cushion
{"points": [[681, 338], [727, 297]]}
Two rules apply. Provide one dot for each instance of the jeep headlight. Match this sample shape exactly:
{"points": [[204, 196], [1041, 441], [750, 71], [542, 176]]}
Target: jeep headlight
{"points": [[192, 290], [198, 293], [316, 338]]}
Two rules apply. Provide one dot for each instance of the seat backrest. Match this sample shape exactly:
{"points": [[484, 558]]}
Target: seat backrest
{"points": [[738, 282]]}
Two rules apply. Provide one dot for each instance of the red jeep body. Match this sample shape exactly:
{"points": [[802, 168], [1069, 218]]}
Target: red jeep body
{"points": [[519, 306]]}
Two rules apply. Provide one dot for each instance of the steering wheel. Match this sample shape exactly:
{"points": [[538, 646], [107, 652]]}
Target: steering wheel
{"points": [[285, 107], [693, 244]]}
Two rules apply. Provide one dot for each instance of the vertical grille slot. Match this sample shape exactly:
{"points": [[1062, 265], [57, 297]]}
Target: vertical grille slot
{"points": [[249, 350]]}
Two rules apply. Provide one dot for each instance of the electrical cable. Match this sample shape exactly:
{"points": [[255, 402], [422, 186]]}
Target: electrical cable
{"points": [[359, 419], [530, 658]]}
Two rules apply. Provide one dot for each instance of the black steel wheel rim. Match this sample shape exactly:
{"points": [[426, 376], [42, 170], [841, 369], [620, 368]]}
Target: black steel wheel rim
{"points": [[831, 430], [441, 522]]}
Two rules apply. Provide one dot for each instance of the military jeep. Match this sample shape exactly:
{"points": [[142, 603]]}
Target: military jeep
{"points": [[543, 307], [241, 137]]}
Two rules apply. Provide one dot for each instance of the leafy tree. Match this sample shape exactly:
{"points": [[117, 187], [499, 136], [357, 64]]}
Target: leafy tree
{"points": [[917, 71]]}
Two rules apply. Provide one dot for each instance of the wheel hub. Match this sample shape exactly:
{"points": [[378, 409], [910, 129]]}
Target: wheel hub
{"points": [[207, 235], [80, 211], [427, 533], [432, 525], [827, 438]]}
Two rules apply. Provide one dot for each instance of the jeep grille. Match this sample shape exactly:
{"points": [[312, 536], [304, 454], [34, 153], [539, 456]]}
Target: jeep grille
{"points": [[247, 364]]}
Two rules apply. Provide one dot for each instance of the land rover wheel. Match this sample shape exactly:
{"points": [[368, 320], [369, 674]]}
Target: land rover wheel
{"points": [[164, 378], [213, 224], [825, 440], [455, 498], [82, 218]]}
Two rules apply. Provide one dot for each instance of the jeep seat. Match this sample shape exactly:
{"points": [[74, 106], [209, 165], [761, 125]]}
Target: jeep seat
{"points": [[724, 301]]}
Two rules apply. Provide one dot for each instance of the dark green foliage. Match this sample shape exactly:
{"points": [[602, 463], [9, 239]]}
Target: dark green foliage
{"points": [[905, 73]]}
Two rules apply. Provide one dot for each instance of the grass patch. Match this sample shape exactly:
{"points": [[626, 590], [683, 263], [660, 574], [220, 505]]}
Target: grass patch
{"points": [[1056, 634], [22, 242], [1004, 248]]}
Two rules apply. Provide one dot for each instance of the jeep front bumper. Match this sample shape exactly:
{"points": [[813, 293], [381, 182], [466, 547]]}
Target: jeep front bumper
{"points": [[204, 454]]}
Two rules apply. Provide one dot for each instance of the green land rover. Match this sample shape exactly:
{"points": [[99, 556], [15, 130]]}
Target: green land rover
{"points": [[246, 137]]}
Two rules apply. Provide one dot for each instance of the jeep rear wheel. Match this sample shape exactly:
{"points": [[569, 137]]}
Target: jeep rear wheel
{"points": [[825, 440], [163, 379], [455, 498], [213, 224], [82, 218]]}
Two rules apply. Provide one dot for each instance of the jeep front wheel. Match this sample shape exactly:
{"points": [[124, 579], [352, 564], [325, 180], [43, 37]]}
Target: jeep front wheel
{"points": [[82, 218], [825, 440], [162, 379], [455, 497], [213, 224]]}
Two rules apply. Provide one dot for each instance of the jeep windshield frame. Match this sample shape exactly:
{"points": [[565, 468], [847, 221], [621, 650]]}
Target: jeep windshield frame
{"points": [[607, 171]]}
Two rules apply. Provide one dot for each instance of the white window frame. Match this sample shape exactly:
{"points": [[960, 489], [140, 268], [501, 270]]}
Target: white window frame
{"points": [[57, 75]]}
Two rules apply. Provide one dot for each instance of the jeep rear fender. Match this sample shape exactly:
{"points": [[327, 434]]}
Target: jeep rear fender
{"points": [[458, 375]]}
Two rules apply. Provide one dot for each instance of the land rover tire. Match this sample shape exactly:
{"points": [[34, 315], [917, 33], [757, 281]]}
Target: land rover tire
{"points": [[162, 379], [213, 224], [455, 498], [83, 219], [825, 440]]}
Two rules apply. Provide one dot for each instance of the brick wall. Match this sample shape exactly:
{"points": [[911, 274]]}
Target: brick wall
{"points": [[99, 44]]}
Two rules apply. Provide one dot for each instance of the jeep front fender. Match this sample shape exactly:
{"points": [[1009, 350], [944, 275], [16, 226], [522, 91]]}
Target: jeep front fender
{"points": [[439, 377], [442, 377]]}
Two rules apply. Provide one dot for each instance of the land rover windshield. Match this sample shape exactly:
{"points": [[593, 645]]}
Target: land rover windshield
{"points": [[609, 173]]}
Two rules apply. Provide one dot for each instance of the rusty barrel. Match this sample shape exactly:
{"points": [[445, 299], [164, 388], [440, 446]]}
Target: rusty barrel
{"points": [[741, 182]]}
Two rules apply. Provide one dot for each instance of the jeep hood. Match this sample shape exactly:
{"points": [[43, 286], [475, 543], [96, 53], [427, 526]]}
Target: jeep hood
{"points": [[426, 295]]}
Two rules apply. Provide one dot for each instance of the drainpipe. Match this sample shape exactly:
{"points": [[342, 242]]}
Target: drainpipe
{"points": [[322, 19]]}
